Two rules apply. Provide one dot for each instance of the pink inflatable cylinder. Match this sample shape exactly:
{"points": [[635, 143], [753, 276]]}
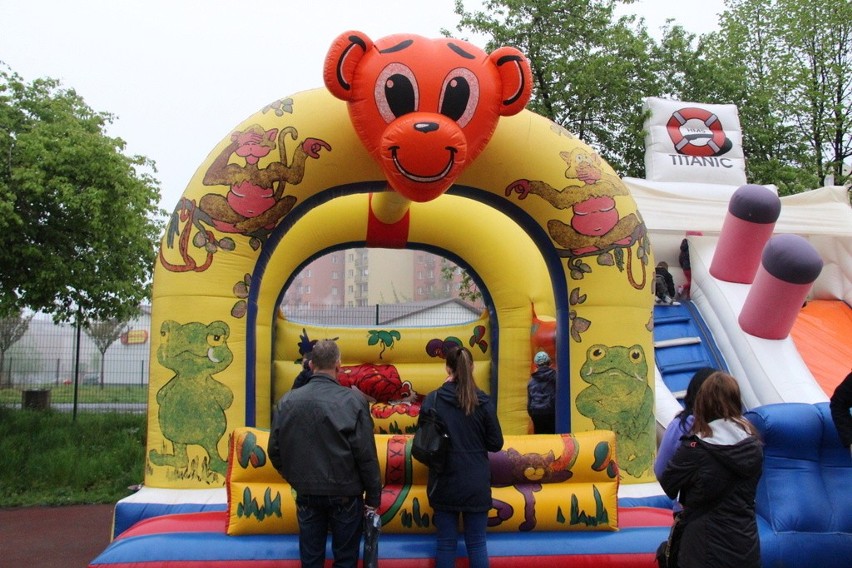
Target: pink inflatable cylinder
{"points": [[751, 217], [788, 269]]}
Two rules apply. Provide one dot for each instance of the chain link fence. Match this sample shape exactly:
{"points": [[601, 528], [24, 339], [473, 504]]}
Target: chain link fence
{"points": [[60, 367]]}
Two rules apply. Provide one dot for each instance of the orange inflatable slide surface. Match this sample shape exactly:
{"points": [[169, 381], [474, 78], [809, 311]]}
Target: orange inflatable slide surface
{"points": [[821, 334]]}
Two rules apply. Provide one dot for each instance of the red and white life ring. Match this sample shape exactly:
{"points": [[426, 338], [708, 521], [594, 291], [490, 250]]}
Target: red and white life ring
{"points": [[684, 145]]}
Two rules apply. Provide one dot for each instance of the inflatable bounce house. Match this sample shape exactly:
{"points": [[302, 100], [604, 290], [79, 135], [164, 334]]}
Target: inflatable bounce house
{"points": [[425, 144]]}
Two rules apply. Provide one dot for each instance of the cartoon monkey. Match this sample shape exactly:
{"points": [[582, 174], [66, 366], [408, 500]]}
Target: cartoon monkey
{"points": [[423, 108], [526, 472], [596, 225], [254, 204]]}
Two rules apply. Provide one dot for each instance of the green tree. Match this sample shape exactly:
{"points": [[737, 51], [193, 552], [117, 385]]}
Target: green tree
{"points": [[787, 67], [817, 40], [78, 218], [457, 276], [12, 328], [103, 334], [590, 73], [785, 64], [746, 55]]}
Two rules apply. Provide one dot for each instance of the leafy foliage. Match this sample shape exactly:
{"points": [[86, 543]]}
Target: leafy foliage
{"points": [[467, 288], [77, 217], [786, 64], [590, 73], [12, 328]]}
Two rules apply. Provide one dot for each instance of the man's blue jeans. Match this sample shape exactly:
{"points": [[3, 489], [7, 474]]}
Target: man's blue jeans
{"points": [[446, 523], [319, 513]]}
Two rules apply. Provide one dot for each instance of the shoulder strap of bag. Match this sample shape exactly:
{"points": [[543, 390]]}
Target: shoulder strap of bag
{"points": [[434, 395], [432, 398], [442, 425]]}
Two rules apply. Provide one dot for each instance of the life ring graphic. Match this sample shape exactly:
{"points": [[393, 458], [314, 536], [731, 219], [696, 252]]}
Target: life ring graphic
{"points": [[693, 140]]}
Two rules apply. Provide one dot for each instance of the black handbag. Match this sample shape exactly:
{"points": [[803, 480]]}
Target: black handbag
{"points": [[668, 550], [372, 528], [431, 440]]}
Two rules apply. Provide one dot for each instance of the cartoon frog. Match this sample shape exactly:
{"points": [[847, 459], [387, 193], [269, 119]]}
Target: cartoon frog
{"points": [[192, 403], [619, 399]]}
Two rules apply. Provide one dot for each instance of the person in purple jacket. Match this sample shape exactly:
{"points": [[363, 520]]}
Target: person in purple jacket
{"points": [[714, 475], [681, 423]]}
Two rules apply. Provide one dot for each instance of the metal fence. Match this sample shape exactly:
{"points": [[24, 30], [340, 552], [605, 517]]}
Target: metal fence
{"points": [[426, 313], [54, 366]]}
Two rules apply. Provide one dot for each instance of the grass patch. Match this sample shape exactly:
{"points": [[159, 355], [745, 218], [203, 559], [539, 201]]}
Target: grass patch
{"points": [[131, 394], [50, 459]]}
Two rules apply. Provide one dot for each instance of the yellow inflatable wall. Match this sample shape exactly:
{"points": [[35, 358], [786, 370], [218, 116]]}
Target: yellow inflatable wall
{"points": [[409, 368], [538, 216], [545, 482]]}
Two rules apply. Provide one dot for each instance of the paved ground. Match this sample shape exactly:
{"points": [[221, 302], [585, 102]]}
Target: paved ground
{"points": [[54, 537]]}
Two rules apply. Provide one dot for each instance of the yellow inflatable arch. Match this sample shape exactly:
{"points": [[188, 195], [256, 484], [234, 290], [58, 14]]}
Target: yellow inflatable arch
{"points": [[542, 235]]}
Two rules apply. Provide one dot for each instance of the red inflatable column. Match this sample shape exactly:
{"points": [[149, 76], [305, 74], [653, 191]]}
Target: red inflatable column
{"points": [[752, 213], [788, 268]]}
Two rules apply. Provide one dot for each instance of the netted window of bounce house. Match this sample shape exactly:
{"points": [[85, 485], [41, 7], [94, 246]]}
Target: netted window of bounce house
{"points": [[406, 288]]}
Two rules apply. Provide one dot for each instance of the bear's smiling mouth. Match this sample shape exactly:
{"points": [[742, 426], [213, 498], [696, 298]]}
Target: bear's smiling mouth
{"points": [[423, 179]]}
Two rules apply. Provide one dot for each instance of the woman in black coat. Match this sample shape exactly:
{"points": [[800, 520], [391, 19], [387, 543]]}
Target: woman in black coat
{"points": [[715, 473], [463, 488]]}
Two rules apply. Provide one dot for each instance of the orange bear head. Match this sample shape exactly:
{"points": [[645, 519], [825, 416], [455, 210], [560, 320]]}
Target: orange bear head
{"points": [[425, 108]]}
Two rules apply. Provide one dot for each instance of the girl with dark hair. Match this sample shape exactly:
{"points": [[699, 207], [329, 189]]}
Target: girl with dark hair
{"points": [[463, 488], [714, 475], [681, 423]]}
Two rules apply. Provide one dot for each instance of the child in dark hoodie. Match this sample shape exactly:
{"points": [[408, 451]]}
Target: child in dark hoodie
{"points": [[664, 288], [541, 395]]}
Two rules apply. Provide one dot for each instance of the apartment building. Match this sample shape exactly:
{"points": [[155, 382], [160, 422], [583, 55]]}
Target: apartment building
{"points": [[365, 277]]}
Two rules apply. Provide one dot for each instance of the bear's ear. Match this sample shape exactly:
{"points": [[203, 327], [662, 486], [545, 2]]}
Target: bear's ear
{"points": [[342, 60], [516, 78]]}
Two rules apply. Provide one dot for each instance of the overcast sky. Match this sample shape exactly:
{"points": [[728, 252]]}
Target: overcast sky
{"points": [[179, 75]]}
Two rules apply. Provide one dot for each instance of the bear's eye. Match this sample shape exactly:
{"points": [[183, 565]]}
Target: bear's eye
{"points": [[636, 354], [459, 95], [396, 92], [597, 352]]}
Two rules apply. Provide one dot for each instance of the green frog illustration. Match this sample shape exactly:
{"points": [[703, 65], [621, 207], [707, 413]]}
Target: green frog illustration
{"points": [[619, 399], [192, 403]]}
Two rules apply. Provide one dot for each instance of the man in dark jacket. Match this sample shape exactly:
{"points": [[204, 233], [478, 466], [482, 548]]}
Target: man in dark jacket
{"points": [[322, 443], [541, 395], [841, 402]]}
